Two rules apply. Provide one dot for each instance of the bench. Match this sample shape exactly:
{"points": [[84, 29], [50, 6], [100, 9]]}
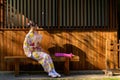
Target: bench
{"points": [[19, 59]]}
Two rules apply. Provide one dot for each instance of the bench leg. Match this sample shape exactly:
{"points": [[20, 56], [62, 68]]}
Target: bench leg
{"points": [[66, 65], [16, 68]]}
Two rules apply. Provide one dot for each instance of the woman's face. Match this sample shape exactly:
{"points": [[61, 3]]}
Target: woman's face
{"points": [[34, 28]]}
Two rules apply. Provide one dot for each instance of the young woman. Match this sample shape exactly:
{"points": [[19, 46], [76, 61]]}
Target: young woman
{"points": [[33, 50]]}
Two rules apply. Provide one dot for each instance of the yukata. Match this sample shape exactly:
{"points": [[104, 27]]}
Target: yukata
{"points": [[33, 50]]}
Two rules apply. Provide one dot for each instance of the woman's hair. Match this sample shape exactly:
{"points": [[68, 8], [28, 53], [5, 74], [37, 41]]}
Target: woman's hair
{"points": [[31, 24]]}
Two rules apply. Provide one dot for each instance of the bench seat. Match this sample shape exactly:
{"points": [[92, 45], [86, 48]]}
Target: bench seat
{"points": [[18, 59]]}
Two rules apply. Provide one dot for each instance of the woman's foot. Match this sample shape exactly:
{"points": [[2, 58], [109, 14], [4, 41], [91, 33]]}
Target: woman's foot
{"points": [[58, 75], [51, 74], [54, 74]]}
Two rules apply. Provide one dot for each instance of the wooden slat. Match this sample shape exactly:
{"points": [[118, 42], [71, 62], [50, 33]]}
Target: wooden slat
{"points": [[119, 54], [49, 22], [14, 13], [53, 13], [88, 11], [42, 15], [71, 12], [21, 15], [4, 8], [83, 38], [115, 14], [28, 13], [2, 65], [110, 14], [23, 58], [4, 38], [36, 13], [75, 11], [8, 37], [24, 23], [65, 41], [18, 14], [82, 12], [99, 13]]}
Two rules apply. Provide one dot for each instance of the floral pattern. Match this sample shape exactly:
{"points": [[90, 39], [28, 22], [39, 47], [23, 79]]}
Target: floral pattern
{"points": [[32, 49]]}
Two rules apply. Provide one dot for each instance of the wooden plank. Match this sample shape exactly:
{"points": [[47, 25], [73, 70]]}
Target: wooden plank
{"points": [[1, 51], [28, 13], [21, 39], [71, 12], [23, 58], [36, 13], [119, 55], [106, 57], [14, 38], [0, 13], [68, 38], [74, 49], [67, 12], [1, 35], [18, 43], [21, 15], [18, 59], [18, 14], [110, 14], [4, 66], [66, 66], [25, 12], [84, 49], [116, 15], [17, 68], [8, 47], [58, 13]]}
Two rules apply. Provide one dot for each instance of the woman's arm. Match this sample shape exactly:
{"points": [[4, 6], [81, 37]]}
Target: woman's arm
{"points": [[30, 44]]}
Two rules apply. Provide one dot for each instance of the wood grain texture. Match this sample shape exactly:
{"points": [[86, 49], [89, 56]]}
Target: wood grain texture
{"points": [[92, 46], [89, 46]]}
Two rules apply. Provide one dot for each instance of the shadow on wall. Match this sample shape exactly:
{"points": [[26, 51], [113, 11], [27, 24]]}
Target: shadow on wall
{"points": [[83, 64]]}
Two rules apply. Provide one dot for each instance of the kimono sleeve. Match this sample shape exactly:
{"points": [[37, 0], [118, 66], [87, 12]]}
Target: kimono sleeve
{"points": [[30, 44]]}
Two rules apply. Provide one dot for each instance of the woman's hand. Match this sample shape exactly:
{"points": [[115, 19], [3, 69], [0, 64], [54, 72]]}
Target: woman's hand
{"points": [[37, 44]]}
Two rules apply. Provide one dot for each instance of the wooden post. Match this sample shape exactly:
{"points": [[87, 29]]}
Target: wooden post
{"points": [[66, 65], [16, 68]]}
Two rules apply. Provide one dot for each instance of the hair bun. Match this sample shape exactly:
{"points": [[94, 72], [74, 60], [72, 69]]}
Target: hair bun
{"points": [[31, 24]]}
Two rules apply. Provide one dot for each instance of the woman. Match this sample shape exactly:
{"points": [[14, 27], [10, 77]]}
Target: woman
{"points": [[33, 50]]}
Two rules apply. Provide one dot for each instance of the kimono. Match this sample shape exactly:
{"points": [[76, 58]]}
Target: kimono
{"points": [[33, 50]]}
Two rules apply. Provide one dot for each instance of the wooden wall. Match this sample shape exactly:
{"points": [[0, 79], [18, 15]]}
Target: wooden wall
{"points": [[91, 46]]}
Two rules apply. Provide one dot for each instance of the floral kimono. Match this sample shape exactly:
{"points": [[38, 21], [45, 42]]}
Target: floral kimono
{"points": [[32, 49]]}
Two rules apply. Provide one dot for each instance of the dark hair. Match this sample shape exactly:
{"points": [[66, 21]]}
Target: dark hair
{"points": [[31, 24]]}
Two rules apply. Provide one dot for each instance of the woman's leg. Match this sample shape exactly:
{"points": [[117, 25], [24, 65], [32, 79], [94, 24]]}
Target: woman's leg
{"points": [[50, 63], [45, 60]]}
